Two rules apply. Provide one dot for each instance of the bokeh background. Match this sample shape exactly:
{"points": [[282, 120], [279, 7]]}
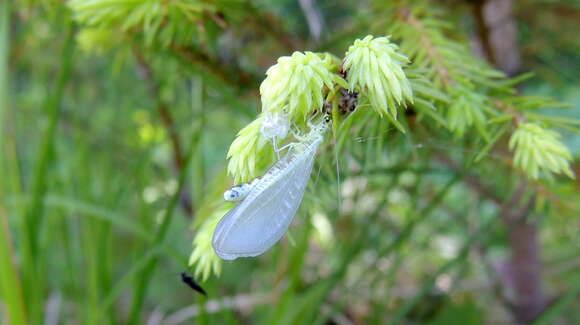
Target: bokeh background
{"points": [[116, 117]]}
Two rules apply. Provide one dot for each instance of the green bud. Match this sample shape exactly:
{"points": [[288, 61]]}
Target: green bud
{"points": [[203, 256], [375, 69], [465, 111], [98, 40], [296, 85], [538, 150], [249, 154]]}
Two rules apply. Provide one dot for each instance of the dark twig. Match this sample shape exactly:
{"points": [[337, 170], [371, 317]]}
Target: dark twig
{"points": [[168, 122], [313, 17], [269, 24], [525, 265], [230, 75], [483, 30], [497, 33]]}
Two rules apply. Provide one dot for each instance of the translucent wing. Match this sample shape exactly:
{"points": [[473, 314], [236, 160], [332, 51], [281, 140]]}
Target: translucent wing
{"points": [[261, 219]]}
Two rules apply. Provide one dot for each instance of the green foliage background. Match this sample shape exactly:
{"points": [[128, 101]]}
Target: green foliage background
{"points": [[116, 117]]}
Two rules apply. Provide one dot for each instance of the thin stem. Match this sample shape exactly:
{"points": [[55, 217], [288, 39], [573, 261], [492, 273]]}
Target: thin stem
{"points": [[433, 53], [168, 122], [145, 276]]}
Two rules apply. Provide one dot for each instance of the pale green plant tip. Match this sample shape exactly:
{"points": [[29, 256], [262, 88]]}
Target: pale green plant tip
{"points": [[296, 84], [539, 150], [98, 40], [157, 20], [249, 153], [203, 258], [375, 69], [465, 112]]}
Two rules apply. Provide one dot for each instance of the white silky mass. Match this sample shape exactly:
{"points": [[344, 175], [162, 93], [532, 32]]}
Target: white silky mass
{"points": [[275, 126], [263, 217]]}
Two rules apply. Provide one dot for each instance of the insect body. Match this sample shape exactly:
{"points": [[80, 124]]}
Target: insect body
{"points": [[348, 101], [188, 279], [239, 192], [263, 217]]}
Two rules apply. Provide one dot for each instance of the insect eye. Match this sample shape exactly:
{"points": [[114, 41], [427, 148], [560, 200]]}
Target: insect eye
{"points": [[327, 119]]}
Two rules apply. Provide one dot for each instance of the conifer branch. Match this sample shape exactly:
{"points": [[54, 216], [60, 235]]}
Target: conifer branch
{"points": [[433, 54], [269, 25], [503, 106], [235, 77]]}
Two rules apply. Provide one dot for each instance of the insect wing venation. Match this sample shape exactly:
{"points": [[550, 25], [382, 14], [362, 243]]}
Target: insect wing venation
{"points": [[231, 218], [258, 222]]}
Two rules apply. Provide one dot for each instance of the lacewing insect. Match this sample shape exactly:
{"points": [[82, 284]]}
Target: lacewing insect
{"points": [[261, 218], [275, 126], [188, 279]]}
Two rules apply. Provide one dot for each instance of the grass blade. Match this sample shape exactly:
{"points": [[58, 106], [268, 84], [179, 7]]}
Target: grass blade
{"points": [[10, 285]]}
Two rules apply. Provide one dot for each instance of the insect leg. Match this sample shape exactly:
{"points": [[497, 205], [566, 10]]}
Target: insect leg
{"points": [[289, 145], [276, 150]]}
